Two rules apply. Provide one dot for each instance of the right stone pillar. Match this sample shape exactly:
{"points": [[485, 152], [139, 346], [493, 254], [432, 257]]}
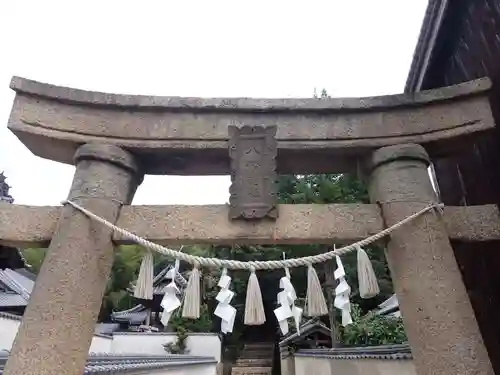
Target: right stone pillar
{"points": [[437, 314]]}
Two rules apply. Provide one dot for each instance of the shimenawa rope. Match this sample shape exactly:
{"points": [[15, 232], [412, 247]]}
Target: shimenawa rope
{"points": [[254, 309], [256, 265]]}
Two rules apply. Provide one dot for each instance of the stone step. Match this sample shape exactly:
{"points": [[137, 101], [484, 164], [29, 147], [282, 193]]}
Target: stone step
{"points": [[251, 371], [251, 353], [259, 345], [254, 362]]}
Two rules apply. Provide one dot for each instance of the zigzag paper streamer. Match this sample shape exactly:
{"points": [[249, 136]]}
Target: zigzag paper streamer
{"points": [[286, 300], [224, 310], [342, 292], [170, 301]]}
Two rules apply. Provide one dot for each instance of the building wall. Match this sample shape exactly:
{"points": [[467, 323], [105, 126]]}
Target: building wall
{"points": [[468, 47], [198, 344], [329, 366], [8, 331], [101, 344], [9, 324]]}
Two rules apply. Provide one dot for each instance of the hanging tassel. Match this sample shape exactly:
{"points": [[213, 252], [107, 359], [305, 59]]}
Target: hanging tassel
{"points": [[191, 307], [368, 284], [316, 303], [144, 287], [254, 308]]}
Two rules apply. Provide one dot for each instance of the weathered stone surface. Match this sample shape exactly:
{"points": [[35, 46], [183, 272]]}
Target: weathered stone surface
{"points": [[253, 191], [27, 226], [251, 371], [439, 320], [255, 359], [258, 346], [254, 353], [173, 135], [59, 321], [254, 362]]}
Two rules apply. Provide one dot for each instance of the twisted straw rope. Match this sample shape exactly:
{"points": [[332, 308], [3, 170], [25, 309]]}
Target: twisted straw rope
{"points": [[251, 265]]}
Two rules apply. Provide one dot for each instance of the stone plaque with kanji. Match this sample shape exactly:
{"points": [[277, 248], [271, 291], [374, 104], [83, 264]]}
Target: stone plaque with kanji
{"points": [[252, 151]]}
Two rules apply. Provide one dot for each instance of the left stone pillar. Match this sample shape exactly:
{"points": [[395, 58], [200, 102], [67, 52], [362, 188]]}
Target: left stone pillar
{"points": [[59, 321]]}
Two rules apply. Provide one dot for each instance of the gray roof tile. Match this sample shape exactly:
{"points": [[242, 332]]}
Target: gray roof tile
{"points": [[118, 364], [17, 288], [12, 300], [389, 352], [312, 325]]}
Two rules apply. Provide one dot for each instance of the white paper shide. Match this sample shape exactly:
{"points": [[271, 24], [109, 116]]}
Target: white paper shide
{"points": [[286, 300], [170, 301], [224, 310], [342, 292]]}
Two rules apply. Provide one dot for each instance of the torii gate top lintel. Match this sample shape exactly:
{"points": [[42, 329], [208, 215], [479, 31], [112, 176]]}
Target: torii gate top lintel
{"points": [[189, 136]]}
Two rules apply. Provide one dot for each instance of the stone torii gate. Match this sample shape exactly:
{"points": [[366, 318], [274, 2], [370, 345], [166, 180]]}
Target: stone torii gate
{"points": [[113, 140]]}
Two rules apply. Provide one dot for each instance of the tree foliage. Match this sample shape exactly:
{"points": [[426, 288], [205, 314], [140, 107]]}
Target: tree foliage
{"points": [[373, 330]]}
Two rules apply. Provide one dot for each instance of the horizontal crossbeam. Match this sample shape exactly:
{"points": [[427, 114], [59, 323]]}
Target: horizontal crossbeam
{"points": [[29, 226], [189, 136]]}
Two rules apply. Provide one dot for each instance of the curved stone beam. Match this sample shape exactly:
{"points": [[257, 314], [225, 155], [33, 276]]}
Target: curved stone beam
{"points": [[173, 135], [30, 226]]}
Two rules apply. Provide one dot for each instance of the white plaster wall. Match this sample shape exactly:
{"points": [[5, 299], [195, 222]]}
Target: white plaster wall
{"points": [[9, 327], [288, 365], [199, 344], [8, 331], [328, 366], [101, 344]]}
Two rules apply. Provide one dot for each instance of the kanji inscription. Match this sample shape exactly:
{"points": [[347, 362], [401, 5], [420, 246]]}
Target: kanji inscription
{"points": [[253, 150]]}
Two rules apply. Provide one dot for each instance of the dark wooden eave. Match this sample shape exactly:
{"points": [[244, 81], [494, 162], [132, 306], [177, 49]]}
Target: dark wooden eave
{"points": [[425, 49]]}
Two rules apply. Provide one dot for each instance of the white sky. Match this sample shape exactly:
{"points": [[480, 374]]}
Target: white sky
{"points": [[259, 48]]}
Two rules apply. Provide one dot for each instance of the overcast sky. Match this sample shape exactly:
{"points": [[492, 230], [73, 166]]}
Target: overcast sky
{"points": [[259, 48]]}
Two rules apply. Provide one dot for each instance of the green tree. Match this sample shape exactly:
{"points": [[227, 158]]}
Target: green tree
{"points": [[34, 257], [373, 330]]}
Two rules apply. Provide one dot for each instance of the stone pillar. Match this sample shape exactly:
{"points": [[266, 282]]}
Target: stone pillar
{"points": [[437, 314], [59, 322]]}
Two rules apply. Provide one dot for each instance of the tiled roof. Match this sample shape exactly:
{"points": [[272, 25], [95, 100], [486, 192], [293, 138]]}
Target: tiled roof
{"points": [[160, 281], [389, 352], [389, 307], [9, 299], [135, 315], [118, 364], [10, 316], [106, 328], [17, 287], [138, 314], [312, 325]]}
